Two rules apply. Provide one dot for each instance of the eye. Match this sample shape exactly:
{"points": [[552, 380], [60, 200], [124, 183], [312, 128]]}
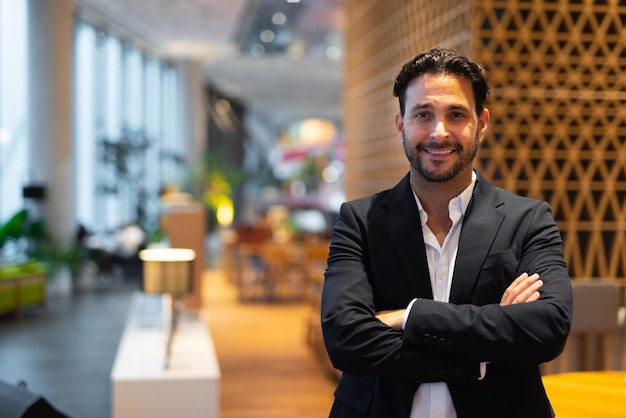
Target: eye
{"points": [[458, 117], [421, 116]]}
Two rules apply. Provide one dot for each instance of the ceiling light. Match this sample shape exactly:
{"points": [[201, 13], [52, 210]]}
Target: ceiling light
{"points": [[293, 1]]}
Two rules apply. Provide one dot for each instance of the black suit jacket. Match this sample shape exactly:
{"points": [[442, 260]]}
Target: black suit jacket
{"points": [[377, 262]]}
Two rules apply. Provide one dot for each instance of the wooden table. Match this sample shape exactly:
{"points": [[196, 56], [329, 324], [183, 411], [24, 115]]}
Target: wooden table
{"points": [[587, 394]]}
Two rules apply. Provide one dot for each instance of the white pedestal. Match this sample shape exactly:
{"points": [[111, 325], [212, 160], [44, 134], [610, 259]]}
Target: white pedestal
{"points": [[142, 387]]}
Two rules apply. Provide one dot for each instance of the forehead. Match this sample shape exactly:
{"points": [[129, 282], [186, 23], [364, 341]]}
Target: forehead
{"points": [[429, 88]]}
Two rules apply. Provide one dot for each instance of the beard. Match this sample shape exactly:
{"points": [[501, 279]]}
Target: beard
{"points": [[465, 159]]}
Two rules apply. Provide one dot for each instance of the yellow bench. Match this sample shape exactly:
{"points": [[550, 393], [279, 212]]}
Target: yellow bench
{"points": [[20, 289]]}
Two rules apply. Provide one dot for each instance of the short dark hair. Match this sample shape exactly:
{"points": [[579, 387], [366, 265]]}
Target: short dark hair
{"points": [[442, 61]]}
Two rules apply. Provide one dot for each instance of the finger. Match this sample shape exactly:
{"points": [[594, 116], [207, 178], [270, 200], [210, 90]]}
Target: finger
{"points": [[520, 284], [530, 293], [510, 293], [521, 289], [520, 279], [535, 296]]}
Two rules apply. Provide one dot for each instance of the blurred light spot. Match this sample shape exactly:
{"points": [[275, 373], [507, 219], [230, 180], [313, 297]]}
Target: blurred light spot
{"points": [[297, 48], [222, 106], [333, 52], [281, 171], [283, 37], [330, 174], [257, 50], [279, 18], [317, 131], [225, 214], [298, 188], [267, 35], [310, 220]]}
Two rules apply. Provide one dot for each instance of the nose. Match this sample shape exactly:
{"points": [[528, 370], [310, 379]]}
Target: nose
{"points": [[439, 130]]}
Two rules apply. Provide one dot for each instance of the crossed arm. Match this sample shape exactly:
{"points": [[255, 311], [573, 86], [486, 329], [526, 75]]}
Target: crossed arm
{"points": [[504, 330], [525, 288]]}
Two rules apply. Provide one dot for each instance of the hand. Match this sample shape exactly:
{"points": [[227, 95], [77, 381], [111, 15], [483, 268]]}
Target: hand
{"points": [[392, 318], [523, 289]]}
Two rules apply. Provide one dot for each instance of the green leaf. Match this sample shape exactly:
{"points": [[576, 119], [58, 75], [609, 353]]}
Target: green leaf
{"points": [[15, 227]]}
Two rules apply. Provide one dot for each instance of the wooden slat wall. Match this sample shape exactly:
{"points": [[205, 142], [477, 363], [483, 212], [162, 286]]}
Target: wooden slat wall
{"points": [[382, 35], [558, 75]]}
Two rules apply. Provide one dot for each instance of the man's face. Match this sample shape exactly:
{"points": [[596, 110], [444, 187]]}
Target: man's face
{"points": [[440, 130]]}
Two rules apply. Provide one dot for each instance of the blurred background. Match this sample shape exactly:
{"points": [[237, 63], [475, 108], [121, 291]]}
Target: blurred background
{"points": [[237, 104], [237, 128]]}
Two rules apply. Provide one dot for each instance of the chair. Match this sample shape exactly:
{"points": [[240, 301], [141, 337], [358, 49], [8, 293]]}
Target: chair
{"points": [[315, 256], [282, 275], [596, 339], [249, 272], [244, 264]]}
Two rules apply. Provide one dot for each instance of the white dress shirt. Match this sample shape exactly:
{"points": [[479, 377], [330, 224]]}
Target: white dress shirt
{"points": [[432, 400]]}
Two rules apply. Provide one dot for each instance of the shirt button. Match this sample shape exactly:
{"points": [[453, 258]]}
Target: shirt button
{"points": [[440, 276]]}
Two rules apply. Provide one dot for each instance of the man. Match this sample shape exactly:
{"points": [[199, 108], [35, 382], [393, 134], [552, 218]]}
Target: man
{"points": [[443, 294]]}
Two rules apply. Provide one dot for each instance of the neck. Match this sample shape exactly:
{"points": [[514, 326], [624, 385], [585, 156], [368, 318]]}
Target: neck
{"points": [[435, 196]]}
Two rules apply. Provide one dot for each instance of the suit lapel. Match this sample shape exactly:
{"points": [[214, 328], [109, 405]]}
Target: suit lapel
{"points": [[402, 222], [483, 220]]}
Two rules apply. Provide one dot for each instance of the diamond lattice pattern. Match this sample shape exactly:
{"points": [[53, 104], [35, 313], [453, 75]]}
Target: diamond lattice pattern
{"points": [[558, 128]]}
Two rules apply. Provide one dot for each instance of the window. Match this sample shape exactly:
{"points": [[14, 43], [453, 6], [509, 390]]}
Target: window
{"points": [[124, 103], [13, 97], [119, 92]]}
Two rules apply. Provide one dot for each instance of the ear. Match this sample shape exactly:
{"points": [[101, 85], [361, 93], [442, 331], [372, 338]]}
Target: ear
{"points": [[483, 122], [399, 125]]}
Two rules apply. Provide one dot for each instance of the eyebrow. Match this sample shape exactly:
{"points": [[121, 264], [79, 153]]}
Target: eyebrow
{"points": [[421, 106]]}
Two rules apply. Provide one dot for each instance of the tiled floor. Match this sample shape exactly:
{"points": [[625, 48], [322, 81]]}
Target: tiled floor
{"points": [[66, 354]]}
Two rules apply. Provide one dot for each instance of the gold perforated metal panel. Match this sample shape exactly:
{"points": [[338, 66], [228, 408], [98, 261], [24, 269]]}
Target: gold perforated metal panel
{"points": [[557, 71]]}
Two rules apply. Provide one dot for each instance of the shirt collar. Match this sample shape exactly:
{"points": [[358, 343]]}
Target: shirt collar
{"points": [[460, 202]]}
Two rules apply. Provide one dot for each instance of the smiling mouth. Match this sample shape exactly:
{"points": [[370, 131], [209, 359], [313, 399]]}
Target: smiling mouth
{"points": [[439, 151]]}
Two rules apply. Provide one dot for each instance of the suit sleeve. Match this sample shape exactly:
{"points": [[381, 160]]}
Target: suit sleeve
{"points": [[356, 341], [515, 335]]}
